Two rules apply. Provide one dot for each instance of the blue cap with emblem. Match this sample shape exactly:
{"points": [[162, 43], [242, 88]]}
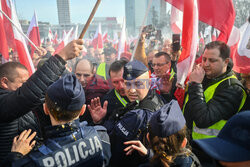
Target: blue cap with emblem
{"points": [[67, 93], [168, 120], [133, 70], [232, 143]]}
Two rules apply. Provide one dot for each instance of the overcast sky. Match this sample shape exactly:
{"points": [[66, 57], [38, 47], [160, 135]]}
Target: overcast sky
{"points": [[80, 10]]}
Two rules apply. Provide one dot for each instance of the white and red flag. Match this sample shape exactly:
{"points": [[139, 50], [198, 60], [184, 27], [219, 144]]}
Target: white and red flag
{"points": [[33, 33], [122, 47], [239, 43], [50, 35], [22, 50], [115, 40], [4, 43], [97, 41], [218, 13], [189, 40], [55, 40], [64, 42], [176, 20], [74, 34]]}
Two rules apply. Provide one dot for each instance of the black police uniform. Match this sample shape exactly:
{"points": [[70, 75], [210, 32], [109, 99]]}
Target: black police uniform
{"points": [[71, 144]]}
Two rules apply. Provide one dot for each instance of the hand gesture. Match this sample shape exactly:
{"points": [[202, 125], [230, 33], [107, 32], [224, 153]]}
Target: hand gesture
{"points": [[197, 75], [165, 84], [22, 143], [41, 51], [135, 145], [96, 110], [71, 50]]}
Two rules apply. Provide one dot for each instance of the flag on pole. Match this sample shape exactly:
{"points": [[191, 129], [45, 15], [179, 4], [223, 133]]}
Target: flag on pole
{"points": [[218, 13], [50, 35], [22, 50], [74, 34], [115, 40], [55, 41], [7, 24], [4, 43], [239, 43], [64, 42], [176, 20], [122, 47], [189, 40], [33, 33], [97, 41]]}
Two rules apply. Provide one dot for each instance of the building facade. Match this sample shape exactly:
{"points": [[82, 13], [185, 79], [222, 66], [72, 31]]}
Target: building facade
{"points": [[63, 10]]}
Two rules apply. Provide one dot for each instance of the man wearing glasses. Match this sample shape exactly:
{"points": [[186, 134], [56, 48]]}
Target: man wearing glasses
{"points": [[163, 79]]}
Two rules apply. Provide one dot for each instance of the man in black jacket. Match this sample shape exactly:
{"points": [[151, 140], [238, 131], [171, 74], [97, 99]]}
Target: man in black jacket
{"points": [[18, 96], [214, 94]]}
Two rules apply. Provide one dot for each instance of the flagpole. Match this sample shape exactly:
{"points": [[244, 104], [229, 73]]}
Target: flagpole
{"points": [[143, 23], [89, 19], [19, 29]]}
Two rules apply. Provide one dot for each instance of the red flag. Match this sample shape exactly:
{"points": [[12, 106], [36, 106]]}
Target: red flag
{"points": [[33, 33], [4, 44], [122, 47], [22, 50], [50, 35], [217, 13], [7, 24], [176, 20], [97, 41], [55, 41], [115, 41], [64, 42], [189, 40], [240, 48]]}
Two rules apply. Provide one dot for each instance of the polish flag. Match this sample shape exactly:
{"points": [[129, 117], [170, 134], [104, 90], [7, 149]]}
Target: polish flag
{"points": [[4, 43], [64, 42], [218, 13], [22, 50], [105, 37], [74, 34], [189, 40], [50, 35], [122, 47], [33, 33], [7, 24], [97, 41], [240, 48], [55, 41], [214, 36], [176, 20], [202, 42]]}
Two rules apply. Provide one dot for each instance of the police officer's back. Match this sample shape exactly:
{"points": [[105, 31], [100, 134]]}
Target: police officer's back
{"points": [[70, 143]]}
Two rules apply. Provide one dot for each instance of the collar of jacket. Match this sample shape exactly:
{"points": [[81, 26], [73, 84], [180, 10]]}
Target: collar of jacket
{"points": [[62, 130]]}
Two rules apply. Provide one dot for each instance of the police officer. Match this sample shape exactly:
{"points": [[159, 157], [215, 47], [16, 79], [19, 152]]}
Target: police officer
{"points": [[70, 143], [142, 103]]}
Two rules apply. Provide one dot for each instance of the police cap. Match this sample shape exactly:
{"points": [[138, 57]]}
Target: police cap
{"points": [[134, 69]]}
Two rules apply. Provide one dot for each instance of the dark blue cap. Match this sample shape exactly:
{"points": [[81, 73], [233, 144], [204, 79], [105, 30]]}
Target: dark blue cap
{"points": [[67, 93], [133, 70], [168, 120], [232, 143]]}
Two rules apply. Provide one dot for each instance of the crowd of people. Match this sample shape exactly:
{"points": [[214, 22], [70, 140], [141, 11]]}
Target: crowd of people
{"points": [[91, 109]]}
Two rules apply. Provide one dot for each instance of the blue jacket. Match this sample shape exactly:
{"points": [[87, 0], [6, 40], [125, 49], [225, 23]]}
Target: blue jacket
{"points": [[72, 144]]}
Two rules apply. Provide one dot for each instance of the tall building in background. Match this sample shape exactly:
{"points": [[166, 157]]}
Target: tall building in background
{"points": [[135, 11], [63, 9]]}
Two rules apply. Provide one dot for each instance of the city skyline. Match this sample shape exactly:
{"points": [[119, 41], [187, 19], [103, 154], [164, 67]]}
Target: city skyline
{"points": [[80, 10]]}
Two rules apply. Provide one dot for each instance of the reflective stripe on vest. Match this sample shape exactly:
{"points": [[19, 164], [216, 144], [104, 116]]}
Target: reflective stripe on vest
{"points": [[101, 70], [122, 100], [212, 131]]}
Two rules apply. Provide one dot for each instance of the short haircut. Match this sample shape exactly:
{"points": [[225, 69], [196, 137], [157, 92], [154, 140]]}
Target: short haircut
{"points": [[223, 48], [90, 63], [58, 113], [8, 70], [166, 55], [117, 65]]}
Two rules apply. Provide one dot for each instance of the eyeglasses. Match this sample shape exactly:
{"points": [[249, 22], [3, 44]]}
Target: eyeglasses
{"points": [[158, 64]]}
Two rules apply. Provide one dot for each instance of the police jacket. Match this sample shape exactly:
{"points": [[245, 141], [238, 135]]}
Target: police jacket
{"points": [[224, 103], [71, 144], [16, 106]]}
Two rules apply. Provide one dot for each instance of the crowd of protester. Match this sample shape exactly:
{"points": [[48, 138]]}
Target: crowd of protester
{"points": [[84, 107]]}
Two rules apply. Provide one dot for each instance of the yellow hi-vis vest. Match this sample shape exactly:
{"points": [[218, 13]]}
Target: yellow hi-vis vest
{"points": [[101, 70], [212, 131]]}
